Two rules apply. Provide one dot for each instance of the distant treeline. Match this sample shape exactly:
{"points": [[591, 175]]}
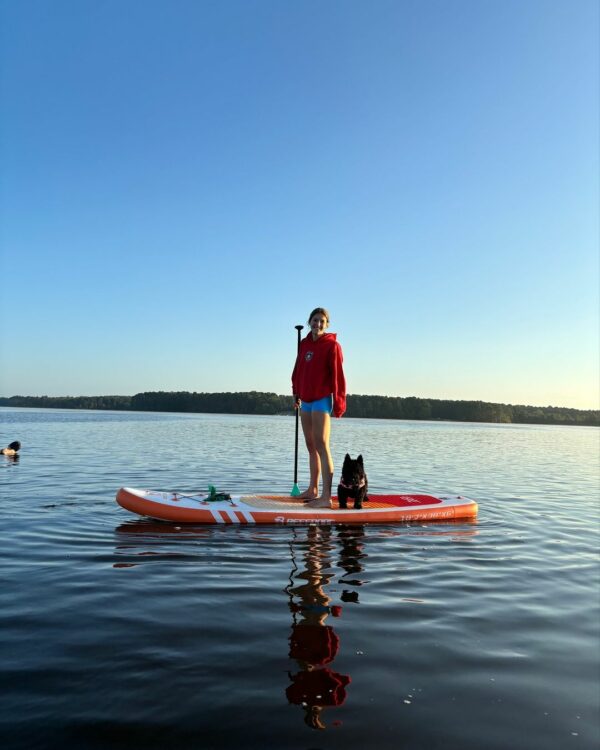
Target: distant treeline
{"points": [[375, 407]]}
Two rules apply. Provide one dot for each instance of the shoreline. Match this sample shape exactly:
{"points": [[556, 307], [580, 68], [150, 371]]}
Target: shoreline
{"points": [[548, 416]]}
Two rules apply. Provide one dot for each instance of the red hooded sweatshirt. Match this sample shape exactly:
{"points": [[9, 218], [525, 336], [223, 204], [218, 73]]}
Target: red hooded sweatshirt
{"points": [[318, 371]]}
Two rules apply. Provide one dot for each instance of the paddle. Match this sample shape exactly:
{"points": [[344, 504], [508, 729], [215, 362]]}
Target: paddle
{"points": [[295, 489]]}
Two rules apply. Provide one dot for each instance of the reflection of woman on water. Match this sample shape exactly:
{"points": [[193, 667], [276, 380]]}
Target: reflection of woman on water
{"points": [[313, 644]]}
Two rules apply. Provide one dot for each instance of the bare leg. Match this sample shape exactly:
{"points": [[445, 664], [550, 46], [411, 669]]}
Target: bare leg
{"points": [[321, 429], [313, 457]]}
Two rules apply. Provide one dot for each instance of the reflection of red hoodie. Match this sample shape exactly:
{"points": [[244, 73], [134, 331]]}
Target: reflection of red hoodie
{"points": [[323, 687], [315, 644], [318, 371]]}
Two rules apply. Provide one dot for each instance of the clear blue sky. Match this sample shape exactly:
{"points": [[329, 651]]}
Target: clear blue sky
{"points": [[182, 181]]}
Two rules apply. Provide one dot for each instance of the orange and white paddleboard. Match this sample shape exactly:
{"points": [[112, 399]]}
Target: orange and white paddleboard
{"points": [[285, 510]]}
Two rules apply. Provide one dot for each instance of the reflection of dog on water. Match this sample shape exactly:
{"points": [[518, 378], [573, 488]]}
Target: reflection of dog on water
{"points": [[313, 644]]}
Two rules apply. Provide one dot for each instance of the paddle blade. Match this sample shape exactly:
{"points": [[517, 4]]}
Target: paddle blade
{"points": [[295, 491]]}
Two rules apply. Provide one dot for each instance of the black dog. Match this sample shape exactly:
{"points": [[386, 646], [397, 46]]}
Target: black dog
{"points": [[353, 483]]}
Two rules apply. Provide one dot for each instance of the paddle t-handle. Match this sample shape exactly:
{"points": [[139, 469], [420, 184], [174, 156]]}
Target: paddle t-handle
{"points": [[295, 489]]}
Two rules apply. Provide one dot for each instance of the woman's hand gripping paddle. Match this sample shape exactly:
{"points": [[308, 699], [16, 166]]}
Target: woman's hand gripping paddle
{"points": [[295, 489]]}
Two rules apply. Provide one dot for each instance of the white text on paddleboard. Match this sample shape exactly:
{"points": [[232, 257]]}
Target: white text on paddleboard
{"points": [[322, 521]]}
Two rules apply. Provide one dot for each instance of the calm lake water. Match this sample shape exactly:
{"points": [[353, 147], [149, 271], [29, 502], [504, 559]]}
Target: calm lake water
{"points": [[119, 632]]}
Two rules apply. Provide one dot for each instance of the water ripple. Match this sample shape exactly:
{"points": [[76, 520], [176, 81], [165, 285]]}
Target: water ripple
{"points": [[124, 632]]}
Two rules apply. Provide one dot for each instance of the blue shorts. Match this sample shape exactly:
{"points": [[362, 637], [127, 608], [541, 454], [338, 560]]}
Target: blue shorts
{"points": [[323, 404]]}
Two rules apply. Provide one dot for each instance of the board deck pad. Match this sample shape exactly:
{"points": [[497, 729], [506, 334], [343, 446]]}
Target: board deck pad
{"points": [[374, 501]]}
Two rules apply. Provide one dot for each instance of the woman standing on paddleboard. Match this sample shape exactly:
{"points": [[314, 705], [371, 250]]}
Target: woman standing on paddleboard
{"points": [[319, 389]]}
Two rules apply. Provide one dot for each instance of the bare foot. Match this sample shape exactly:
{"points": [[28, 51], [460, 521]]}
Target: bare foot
{"points": [[308, 495], [319, 502]]}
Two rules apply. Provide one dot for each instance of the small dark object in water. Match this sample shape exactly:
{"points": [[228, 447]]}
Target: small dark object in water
{"points": [[12, 449]]}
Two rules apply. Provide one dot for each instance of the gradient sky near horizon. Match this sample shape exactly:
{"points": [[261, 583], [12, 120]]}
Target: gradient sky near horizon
{"points": [[182, 181]]}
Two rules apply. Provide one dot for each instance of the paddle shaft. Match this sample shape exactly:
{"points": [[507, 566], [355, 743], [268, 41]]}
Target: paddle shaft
{"points": [[298, 329]]}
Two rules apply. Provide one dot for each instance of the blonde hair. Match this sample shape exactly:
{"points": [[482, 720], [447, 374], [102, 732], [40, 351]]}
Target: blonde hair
{"points": [[318, 311]]}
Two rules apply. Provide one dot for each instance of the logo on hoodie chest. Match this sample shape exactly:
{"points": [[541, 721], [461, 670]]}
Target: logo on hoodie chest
{"points": [[308, 356]]}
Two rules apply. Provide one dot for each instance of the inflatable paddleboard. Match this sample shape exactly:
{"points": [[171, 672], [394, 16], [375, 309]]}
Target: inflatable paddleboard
{"points": [[202, 508]]}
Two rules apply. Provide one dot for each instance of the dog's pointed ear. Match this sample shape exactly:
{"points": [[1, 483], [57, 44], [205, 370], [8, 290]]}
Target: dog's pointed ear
{"points": [[347, 457], [360, 460]]}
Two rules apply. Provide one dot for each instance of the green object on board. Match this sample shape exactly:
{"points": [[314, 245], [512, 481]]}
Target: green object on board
{"points": [[214, 496]]}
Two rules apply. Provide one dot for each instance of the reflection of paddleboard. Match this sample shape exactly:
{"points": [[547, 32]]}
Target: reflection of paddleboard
{"points": [[282, 509]]}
